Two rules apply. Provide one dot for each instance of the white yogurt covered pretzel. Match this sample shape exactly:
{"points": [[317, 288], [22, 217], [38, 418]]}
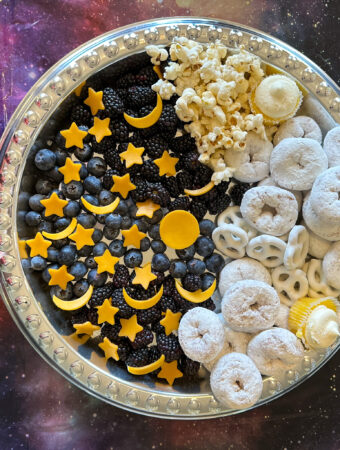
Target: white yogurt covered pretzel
{"points": [[230, 240], [232, 215], [318, 286], [331, 146], [318, 246], [270, 209], [298, 127], [267, 249], [297, 247], [291, 284], [331, 265]]}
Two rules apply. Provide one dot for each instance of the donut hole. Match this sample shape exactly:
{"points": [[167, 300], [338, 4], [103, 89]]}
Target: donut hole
{"points": [[270, 210], [239, 386]]}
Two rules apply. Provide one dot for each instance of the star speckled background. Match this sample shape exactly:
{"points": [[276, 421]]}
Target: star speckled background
{"points": [[38, 408]]}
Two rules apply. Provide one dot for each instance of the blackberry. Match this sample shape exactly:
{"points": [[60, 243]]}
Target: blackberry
{"points": [[203, 175], [112, 158], [114, 105], [167, 303], [168, 118], [192, 282], [150, 131], [121, 276], [100, 294], [147, 316], [92, 315], [81, 115], [183, 144], [169, 347], [107, 144], [169, 286], [157, 328], [154, 354], [119, 130], [185, 180], [139, 293], [140, 194], [189, 161], [146, 76], [180, 203], [150, 171], [108, 180], [159, 280], [222, 187], [138, 358], [219, 204], [126, 81], [124, 349], [118, 301], [138, 96], [111, 331], [189, 367], [142, 339], [79, 316], [172, 186], [158, 194], [237, 192], [198, 209], [208, 304], [155, 146]]}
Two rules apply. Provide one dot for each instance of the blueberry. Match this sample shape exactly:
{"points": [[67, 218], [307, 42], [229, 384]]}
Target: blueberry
{"points": [[160, 262], [204, 246], [46, 226], [206, 227], [85, 251], [91, 199], [207, 281], [186, 253], [92, 184], [84, 154], [78, 270], [109, 233], [50, 218], [26, 264], [52, 254], [113, 221], [61, 156], [97, 235], [154, 232], [142, 225], [64, 294], [178, 269], [158, 246], [145, 244], [83, 172], [34, 202], [157, 216], [214, 263], [54, 175], [32, 219], [59, 243], [99, 249], [101, 218], [46, 274], [72, 209], [86, 220], [23, 200], [196, 266], [133, 258], [117, 248], [80, 287], [122, 208], [96, 166], [43, 187], [97, 279], [45, 159], [67, 255], [90, 262], [106, 197], [133, 211], [73, 190], [61, 223], [126, 223]]}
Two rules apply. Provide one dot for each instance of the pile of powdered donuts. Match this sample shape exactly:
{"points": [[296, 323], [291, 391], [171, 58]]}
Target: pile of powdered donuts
{"points": [[281, 278]]}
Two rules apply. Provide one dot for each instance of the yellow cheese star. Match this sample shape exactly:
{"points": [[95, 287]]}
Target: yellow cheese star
{"points": [[106, 262], [70, 171], [122, 185], [170, 321], [82, 236], [94, 101], [79, 88], [133, 236], [166, 164], [54, 205], [170, 372], [60, 277], [38, 245], [133, 155], [22, 249], [107, 312], [146, 208], [100, 128], [86, 328], [130, 328], [144, 276], [110, 349], [74, 136]]}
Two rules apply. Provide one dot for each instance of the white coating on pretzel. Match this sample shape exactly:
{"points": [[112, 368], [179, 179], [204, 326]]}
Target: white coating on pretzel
{"points": [[275, 351], [250, 306], [331, 265], [318, 286], [232, 215], [318, 246], [296, 162], [297, 247], [325, 229], [269, 250], [235, 381], [331, 146], [298, 127], [291, 284], [324, 196], [230, 240], [270, 209], [270, 182]]}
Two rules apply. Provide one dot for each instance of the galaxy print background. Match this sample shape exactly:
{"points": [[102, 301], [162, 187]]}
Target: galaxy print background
{"points": [[38, 408]]}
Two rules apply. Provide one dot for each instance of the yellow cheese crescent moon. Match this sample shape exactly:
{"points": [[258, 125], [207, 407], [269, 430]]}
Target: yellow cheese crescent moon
{"points": [[197, 296], [62, 234], [143, 304], [148, 368], [100, 209], [72, 305], [201, 191], [150, 119]]}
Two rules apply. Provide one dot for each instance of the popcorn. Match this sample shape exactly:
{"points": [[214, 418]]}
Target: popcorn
{"points": [[157, 54], [164, 88]]}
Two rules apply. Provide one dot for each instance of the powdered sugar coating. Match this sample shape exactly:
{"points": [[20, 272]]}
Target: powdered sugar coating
{"points": [[281, 320], [299, 127], [296, 162], [324, 229], [331, 146], [318, 246], [275, 351], [201, 334], [235, 381], [270, 209], [250, 306], [270, 182], [324, 196], [331, 265]]}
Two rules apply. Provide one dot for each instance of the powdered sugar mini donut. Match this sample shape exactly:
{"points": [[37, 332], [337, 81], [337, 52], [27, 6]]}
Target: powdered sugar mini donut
{"points": [[275, 351], [242, 269], [331, 146], [270, 209], [324, 196], [298, 127], [296, 162], [281, 320], [270, 182], [252, 164], [318, 246], [236, 382], [201, 334], [331, 265], [250, 306], [326, 230]]}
